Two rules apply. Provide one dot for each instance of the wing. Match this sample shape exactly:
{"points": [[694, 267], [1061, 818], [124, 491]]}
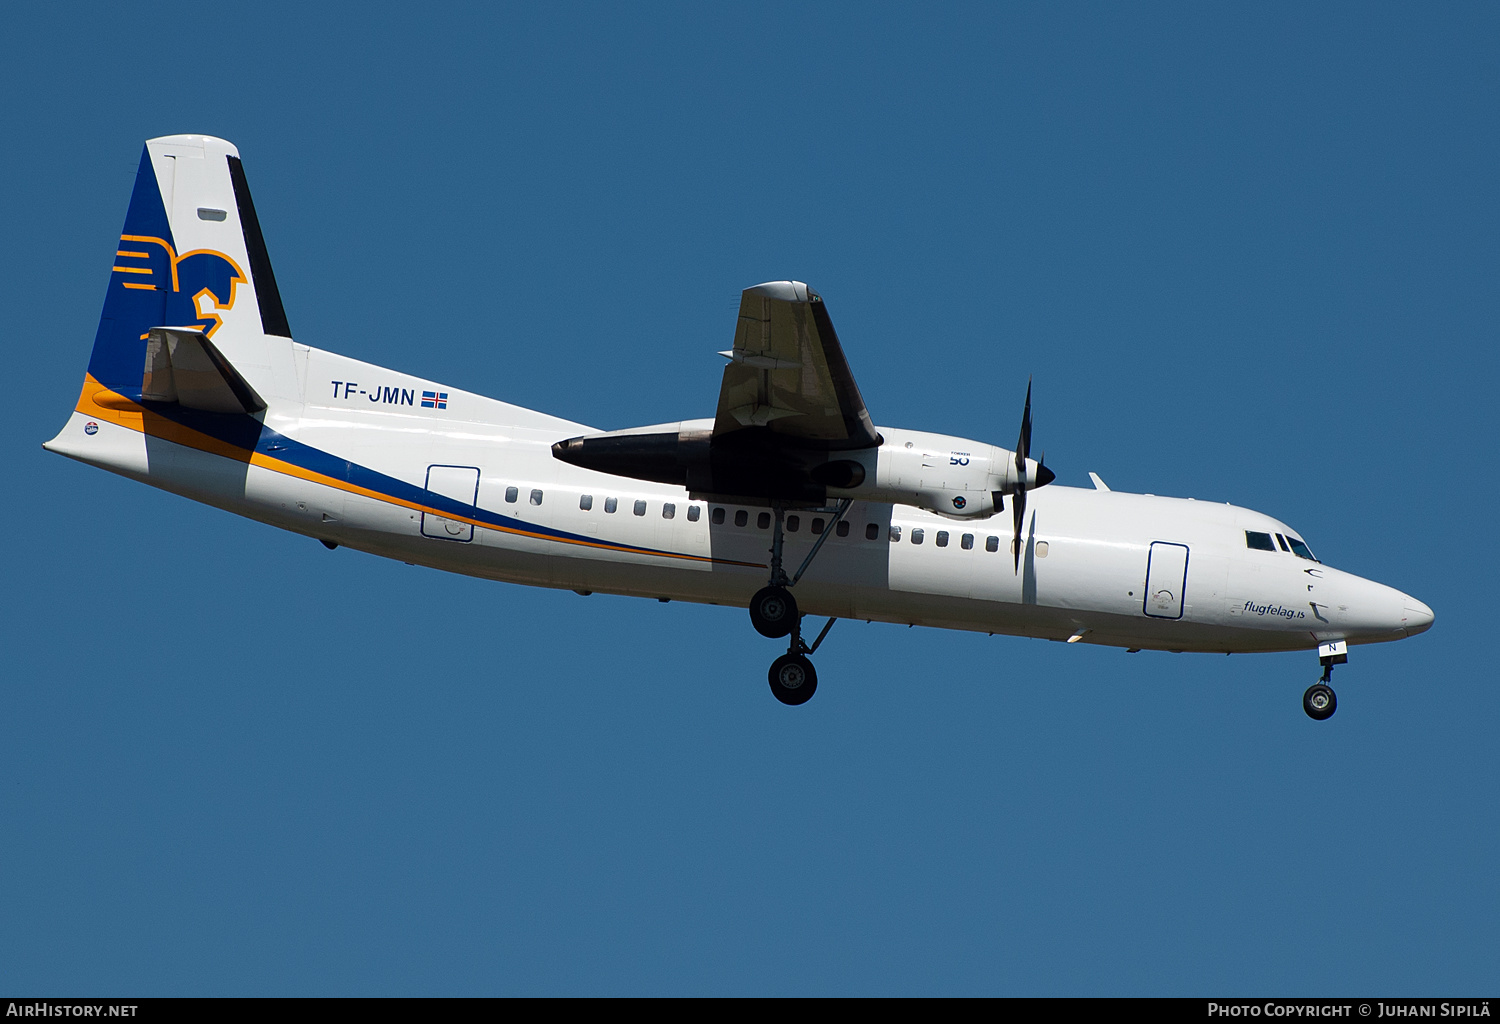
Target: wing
{"points": [[787, 374]]}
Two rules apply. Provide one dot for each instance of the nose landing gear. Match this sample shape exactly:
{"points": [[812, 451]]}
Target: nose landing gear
{"points": [[1320, 702], [774, 614]]}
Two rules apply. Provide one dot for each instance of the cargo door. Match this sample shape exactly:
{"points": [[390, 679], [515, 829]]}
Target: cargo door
{"points": [[451, 488]]}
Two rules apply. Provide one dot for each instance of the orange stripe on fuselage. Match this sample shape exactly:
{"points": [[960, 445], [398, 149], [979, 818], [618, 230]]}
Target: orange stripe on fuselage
{"points": [[99, 401]]}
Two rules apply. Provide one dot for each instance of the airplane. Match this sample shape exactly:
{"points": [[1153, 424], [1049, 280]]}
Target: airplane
{"points": [[789, 501]]}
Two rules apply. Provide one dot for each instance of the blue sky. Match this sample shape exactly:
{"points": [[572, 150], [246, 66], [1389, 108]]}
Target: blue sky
{"points": [[1248, 256]]}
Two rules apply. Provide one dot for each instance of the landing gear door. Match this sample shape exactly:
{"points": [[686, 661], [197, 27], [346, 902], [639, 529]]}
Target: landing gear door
{"points": [[1166, 579], [458, 484]]}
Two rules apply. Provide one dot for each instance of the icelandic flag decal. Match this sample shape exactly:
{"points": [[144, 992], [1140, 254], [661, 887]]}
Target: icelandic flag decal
{"points": [[434, 399]]}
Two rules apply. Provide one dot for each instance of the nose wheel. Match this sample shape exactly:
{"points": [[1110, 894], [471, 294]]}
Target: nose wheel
{"points": [[1319, 701]]}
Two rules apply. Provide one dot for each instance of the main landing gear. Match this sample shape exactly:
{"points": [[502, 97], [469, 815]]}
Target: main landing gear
{"points": [[1320, 702], [792, 676], [774, 614]]}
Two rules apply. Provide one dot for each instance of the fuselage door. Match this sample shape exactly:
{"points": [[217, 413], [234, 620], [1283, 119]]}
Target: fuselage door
{"points": [[460, 485], [1166, 579]]}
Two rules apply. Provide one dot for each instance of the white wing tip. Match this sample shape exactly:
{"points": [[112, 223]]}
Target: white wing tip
{"points": [[786, 291]]}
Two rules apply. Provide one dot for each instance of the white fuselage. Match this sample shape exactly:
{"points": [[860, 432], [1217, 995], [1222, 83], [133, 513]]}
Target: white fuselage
{"points": [[1104, 567]]}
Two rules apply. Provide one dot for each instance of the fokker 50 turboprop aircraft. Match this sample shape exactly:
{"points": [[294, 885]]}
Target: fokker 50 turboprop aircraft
{"points": [[789, 500]]}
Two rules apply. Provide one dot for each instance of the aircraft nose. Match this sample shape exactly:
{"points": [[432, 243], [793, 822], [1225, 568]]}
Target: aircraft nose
{"points": [[1418, 616]]}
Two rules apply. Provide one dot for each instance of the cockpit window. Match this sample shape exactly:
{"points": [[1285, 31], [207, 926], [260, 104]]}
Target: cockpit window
{"points": [[1259, 541], [1282, 541], [1300, 549]]}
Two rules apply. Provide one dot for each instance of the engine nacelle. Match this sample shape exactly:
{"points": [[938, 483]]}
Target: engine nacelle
{"points": [[950, 476]]}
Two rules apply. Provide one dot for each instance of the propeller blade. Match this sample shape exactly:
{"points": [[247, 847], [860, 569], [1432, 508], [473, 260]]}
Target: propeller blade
{"points": [[1023, 446], [1018, 504], [1018, 510]]}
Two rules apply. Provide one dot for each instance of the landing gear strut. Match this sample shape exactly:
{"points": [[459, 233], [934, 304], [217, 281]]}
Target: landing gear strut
{"points": [[1319, 701], [774, 614]]}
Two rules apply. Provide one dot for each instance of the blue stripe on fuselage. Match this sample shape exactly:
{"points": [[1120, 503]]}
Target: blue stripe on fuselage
{"points": [[249, 434]]}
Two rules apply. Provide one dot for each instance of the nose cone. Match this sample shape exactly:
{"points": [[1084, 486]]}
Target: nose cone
{"points": [[1364, 611], [1418, 617]]}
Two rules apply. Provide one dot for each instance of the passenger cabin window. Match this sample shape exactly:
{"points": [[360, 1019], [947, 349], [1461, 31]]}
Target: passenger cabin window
{"points": [[611, 504], [717, 518], [895, 534], [917, 534], [741, 517], [511, 494], [536, 496], [992, 543], [966, 541], [843, 528], [1259, 541], [693, 513], [942, 538], [817, 526], [1301, 550], [763, 520], [668, 511], [640, 508], [872, 531], [586, 501], [792, 522]]}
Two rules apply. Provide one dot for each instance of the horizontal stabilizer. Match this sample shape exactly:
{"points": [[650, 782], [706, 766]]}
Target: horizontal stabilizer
{"points": [[183, 366]]}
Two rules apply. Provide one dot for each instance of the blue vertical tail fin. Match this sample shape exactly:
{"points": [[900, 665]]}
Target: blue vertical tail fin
{"points": [[191, 256]]}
